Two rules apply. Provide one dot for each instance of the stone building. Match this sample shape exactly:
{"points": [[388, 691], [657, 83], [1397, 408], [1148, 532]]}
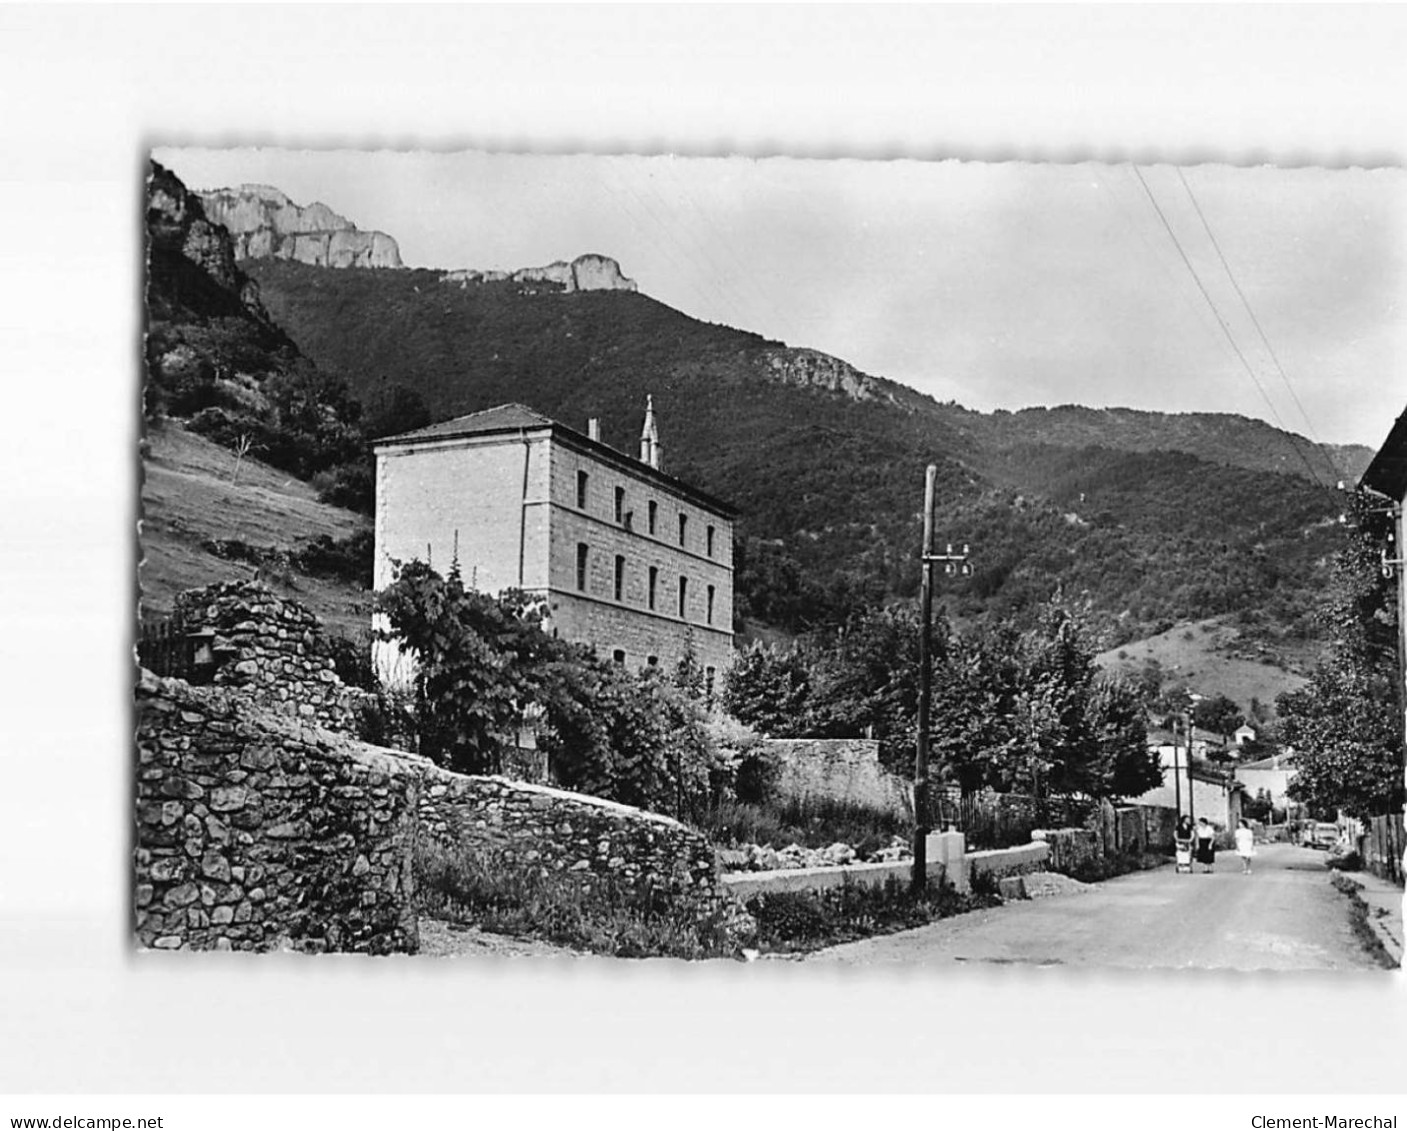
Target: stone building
{"points": [[630, 560]]}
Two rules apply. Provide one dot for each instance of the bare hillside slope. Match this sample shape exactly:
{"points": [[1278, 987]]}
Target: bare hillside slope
{"points": [[192, 496]]}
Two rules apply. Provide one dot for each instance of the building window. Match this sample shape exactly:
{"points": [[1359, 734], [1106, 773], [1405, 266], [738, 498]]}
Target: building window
{"points": [[620, 577], [710, 604], [581, 478], [683, 527], [654, 583], [654, 514], [652, 661], [618, 655], [581, 552], [630, 520], [620, 504], [710, 541], [683, 594]]}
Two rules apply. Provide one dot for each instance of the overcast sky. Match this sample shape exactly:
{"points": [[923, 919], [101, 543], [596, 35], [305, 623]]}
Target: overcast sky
{"points": [[995, 285]]}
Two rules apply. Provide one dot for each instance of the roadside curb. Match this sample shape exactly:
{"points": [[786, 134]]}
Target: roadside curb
{"points": [[1383, 902]]}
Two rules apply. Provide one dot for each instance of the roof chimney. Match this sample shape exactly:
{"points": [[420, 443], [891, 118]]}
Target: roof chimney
{"points": [[649, 436], [593, 428]]}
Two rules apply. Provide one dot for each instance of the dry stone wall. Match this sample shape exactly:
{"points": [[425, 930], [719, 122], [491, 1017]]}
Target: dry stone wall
{"points": [[255, 831], [273, 649], [539, 827], [262, 823]]}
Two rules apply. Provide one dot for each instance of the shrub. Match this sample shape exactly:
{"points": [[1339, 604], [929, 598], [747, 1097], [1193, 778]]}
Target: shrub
{"points": [[807, 822], [595, 913], [350, 485], [385, 719], [340, 559], [351, 659], [807, 920]]}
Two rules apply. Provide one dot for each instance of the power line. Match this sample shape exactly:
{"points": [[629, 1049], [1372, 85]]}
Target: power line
{"points": [[1225, 329], [1284, 377]]}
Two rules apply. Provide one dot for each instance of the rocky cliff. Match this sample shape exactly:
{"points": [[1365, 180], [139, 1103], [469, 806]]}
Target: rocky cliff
{"points": [[264, 224], [204, 315], [809, 368], [584, 273]]}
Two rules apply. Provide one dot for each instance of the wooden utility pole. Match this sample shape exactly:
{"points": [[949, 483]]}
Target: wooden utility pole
{"points": [[1191, 786], [1177, 773], [925, 676], [925, 689]]}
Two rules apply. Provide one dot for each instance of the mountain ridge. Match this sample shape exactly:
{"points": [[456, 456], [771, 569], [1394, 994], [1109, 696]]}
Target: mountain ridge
{"points": [[824, 462]]}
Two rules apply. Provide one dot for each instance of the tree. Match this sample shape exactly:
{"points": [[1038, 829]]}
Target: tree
{"points": [[769, 690], [1029, 712], [1122, 764], [865, 678], [632, 737], [1344, 724], [1218, 714], [478, 662]]}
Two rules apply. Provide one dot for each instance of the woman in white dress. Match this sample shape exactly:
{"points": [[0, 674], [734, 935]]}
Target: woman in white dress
{"points": [[1245, 846]]}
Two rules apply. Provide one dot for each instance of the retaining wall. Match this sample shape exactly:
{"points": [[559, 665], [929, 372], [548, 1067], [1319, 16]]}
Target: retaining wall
{"points": [[254, 831], [518, 824], [261, 822], [844, 770]]}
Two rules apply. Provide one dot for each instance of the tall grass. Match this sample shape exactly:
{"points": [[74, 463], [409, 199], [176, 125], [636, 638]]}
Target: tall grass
{"points": [[798, 921], [811, 823], [594, 913]]}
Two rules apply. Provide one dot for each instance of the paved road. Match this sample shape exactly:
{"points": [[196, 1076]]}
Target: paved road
{"points": [[1285, 916]]}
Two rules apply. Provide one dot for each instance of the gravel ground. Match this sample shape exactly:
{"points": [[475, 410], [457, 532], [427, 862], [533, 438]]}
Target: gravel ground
{"points": [[440, 939]]}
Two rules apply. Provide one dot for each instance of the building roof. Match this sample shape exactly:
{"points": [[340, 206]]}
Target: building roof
{"points": [[504, 418], [1387, 473], [512, 419], [1274, 762]]}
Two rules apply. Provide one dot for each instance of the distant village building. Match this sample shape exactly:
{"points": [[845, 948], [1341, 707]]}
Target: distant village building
{"points": [[1272, 774], [1215, 794], [629, 560], [1244, 734]]}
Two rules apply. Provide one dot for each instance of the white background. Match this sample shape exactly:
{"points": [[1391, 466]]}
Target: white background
{"points": [[85, 92]]}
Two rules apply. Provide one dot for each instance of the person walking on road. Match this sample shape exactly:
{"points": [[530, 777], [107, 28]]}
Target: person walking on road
{"points": [[1206, 845], [1182, 844], [1245, 846]]}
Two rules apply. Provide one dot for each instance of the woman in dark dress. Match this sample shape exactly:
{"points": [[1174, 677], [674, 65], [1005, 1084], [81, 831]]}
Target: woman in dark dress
{"points": [[1205, 842]]}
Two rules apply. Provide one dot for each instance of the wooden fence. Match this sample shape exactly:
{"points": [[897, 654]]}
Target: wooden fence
{"points": [[167, 648], [1005, 820], [1383, 845]]}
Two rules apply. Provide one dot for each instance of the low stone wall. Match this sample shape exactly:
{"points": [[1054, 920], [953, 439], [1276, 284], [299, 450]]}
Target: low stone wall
{"points": [[744, 885], [845, 770], [535, 826], [999, 863], [271, 648], [255, 831], [261, 822], [947, 862], [1159, 827], [1071, 849]]}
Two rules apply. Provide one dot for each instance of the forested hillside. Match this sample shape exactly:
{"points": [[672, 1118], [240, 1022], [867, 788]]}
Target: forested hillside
{"points": [[1155, 519]]}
